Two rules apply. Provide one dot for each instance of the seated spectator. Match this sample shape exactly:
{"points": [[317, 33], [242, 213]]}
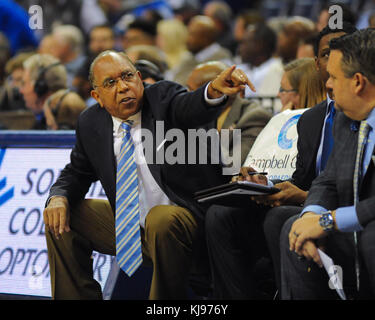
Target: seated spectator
{"points": [[62, 109], [81, 83], [301, 86], [149, 53], [295, 30], [243, 20], [4, 55], [101, 38], [222, 15], [171, 39], [139, 32], [202, 43], [256, 51], [43, 75], [69, 49], [306, 47], [238, 113], [150, 72], [10, 97], [47, 45]]}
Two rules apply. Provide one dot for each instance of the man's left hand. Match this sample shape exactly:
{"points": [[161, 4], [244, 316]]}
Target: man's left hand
{"points": [[230, 82], [305, 228]]}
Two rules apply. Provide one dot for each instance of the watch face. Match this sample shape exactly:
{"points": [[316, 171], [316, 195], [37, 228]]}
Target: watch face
{"points": [[326, 221]]}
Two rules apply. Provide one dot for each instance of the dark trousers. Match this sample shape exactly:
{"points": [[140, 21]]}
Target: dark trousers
{"points": [[273, 223], [303, 279], [235, 241]]}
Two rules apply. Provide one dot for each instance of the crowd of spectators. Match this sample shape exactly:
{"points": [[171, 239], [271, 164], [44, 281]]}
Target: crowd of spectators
{"points": [[175, 36]]}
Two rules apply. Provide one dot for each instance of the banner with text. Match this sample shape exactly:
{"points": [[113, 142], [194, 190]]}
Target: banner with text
{"points": [[26, 175]]}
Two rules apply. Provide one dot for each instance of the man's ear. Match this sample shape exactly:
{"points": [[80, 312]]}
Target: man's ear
{"points": [[359, 83], [140, 75], [317, 66], [95, 95]]}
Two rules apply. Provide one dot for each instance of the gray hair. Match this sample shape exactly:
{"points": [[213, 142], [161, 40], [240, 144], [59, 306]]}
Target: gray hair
{"points": [[55, 77], [72, 35]]}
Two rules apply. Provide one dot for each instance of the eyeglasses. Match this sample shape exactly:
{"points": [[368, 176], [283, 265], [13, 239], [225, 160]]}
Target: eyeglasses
{"points": [[126, 76], [281, 90]]}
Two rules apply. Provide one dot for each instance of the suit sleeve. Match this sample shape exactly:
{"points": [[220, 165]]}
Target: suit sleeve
{"points": [[300, 176], [76, 178], [181, 108]]}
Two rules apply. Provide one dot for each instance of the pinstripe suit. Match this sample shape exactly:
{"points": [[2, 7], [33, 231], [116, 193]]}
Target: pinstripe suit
{"points": [[334, 189]]}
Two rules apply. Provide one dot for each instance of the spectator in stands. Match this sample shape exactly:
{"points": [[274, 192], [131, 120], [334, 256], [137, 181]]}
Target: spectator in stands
{"points": [[222, 15], [68, 48], [295, 30], [301, 85], [4, 56], [10, 97], [43, 75], [201, 42], [47, 45], [243, 20], [150, 72], [149, 53], [171, 39], [139, 32], [338, 214], [306, 47], [62, 110], [238, 113], [101, 38], [99, 12], [256, 51]]}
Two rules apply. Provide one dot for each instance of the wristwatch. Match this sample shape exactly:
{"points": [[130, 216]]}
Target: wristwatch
{"points": [[326, 221]]}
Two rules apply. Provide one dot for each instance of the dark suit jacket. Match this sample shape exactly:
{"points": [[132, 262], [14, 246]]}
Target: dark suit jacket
{"points": [[93, 159], [309, 128], [334, 187]]}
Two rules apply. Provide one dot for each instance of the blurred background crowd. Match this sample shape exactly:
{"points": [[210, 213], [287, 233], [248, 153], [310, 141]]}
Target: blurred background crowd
{"points": [[44, 71]]}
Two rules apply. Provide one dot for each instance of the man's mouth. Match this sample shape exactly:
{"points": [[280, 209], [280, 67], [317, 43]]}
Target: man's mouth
{"points": [[126, 100]]}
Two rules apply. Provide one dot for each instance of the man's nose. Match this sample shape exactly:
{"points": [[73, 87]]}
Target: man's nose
{"points": [[122, 85]]}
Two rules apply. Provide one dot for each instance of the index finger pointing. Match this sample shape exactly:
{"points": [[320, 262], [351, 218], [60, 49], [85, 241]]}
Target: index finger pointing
{"points": [[251, 86]]}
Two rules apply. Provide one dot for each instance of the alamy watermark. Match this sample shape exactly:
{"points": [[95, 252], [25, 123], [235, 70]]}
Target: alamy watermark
{"points": [[35, 17], [191, 146], [336, 20]]}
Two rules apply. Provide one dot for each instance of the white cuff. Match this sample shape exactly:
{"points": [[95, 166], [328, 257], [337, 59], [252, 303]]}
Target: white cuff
{"points": [[213, 102]]}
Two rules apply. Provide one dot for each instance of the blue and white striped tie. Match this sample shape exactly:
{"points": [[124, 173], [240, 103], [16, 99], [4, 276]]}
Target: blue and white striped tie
{"points": [[128, 238]]}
